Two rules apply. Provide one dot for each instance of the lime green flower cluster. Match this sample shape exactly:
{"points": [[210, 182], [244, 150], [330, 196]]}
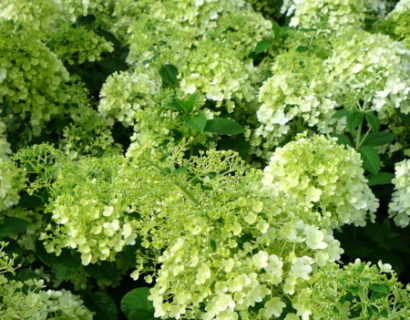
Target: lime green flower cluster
{"points": [[330, 14], [239, 248], [36, 40], [297, 93], [358, 290], [30, 300], [324, 176], [374, 70], [123, 94], [209, 42], [323, 71], [400, 204], [92, 208], [4, 145], [11, 179], [397, 22]]}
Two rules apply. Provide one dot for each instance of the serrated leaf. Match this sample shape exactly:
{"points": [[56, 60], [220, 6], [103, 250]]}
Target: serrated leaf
{"points": [[378, 138], [373, 121], [11, 226], [381, 178], [264, 45], [103, 305], [223, 126], [198, 122], [169, 75], [354, 118], [136, 306], [371, 159]]}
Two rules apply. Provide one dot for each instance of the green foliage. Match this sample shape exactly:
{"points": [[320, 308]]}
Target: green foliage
{"points": [[136, 306]]}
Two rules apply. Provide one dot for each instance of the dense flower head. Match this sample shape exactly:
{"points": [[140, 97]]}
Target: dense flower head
{"points": [[326, 177], [36, 41], [124, 93], [319, 74], [89, 209], [331, 14], [400, 203], [373, 69], [29, 299], [11, 182], [213, 41], [35, 84], [4, 145], [297, 92], [240, 246], [397, 22]]}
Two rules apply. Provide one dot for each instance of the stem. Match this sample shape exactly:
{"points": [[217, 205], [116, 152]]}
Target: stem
{"points": [[187, 193], [358, 135]]}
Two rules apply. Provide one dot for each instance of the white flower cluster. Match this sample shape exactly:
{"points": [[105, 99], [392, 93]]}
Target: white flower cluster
{"points": [[209, 42], [373, 69], [353, 69], [35, 42], [29, 299], [11, 180], [253, 249], [325, 176], [398, 22], [399, 207], [123, 94], [4, 145], [297, 90], [330, 14], [89, 211]]}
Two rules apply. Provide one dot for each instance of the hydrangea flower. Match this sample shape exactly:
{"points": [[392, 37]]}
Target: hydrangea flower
{"points": [[399, 207], [324, 176], [30, 299]]}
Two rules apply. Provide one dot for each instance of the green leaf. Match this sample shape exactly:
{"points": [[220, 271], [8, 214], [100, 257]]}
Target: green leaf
{"points": [[343, 139], [371, 159], [136, 306], [380, 288], [378, 138], [103, 305], [373, 121], [103, 271], [277, 30], [405, 118], [198, 122], [223, 126], [354, 118], [264, 45], [381, 178], [11, 226], [341, 113], [212, 242], [185, 106], [169, 75], [302, 49]]}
